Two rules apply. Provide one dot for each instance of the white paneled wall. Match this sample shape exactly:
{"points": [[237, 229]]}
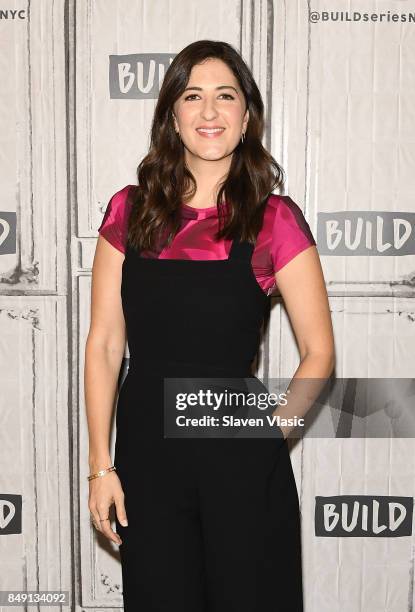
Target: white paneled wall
{"points": [[338, 101], [36, 374]]}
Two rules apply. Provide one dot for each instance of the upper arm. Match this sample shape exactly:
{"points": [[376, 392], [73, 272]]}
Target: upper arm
{"points": [[302, 287], [107, 319], [300, 280]]}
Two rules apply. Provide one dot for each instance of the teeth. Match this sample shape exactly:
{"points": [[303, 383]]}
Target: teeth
{"points": [[210, 130]]}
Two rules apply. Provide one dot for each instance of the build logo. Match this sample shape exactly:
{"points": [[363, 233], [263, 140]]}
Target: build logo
{"points": [[363, 515], [10, 514]]}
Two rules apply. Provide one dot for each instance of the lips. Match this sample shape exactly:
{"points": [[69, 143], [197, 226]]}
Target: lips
{"points": [[210, 132], [210, 129]]}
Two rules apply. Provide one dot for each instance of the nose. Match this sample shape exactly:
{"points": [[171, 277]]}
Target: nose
{"points": [[209, 111]]}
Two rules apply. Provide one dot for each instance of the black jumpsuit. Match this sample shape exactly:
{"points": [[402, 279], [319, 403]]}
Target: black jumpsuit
{"points": [[213, 523]]}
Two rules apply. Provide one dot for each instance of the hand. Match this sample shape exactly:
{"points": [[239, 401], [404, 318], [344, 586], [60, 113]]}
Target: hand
{"points": [[103, 492], [284, 431], [281, 433]]}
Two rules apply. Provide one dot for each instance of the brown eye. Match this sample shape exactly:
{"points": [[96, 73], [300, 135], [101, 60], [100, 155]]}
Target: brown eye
{"points": [[224, 94]]}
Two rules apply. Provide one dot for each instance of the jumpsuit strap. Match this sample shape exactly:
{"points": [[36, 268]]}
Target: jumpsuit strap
{"points": [[241, 250]]}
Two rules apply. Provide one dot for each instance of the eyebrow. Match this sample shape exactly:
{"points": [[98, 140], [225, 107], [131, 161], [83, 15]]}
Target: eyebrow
{"points": [[219, 87]]}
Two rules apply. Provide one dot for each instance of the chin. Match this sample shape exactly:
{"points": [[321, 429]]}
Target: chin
{"points": [[213, 157], [210, 155]]}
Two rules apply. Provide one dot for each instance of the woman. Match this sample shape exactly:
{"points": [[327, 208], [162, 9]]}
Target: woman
{"points": [[184, 266]]}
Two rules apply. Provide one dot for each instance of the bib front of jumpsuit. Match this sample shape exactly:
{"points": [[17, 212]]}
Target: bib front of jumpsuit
{"points": [[213, 523]]}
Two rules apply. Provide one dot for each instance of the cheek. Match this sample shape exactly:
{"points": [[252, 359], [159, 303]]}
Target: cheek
{"points": [[234, 117], [187, 116]]}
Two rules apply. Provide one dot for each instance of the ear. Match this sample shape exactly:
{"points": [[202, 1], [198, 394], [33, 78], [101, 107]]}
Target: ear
{"points": [[176, 127], [246, 119]]}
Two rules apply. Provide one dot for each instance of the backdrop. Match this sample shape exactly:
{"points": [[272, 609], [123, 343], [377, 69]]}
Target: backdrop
{"points": [[79, 83]]}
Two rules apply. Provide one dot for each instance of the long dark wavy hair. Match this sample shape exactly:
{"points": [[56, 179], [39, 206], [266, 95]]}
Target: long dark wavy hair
{"points": [[164, 180]]}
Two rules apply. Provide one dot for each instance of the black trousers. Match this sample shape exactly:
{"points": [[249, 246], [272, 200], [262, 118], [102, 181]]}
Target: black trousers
{"points": [[213, 526]]}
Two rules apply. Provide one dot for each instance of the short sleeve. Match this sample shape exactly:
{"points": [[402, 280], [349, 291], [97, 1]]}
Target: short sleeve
{"points": [[115, 221], [291, 233]]}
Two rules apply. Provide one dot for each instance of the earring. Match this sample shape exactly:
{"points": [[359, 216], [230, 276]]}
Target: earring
{"points": [[177, 131], [243, 137]]}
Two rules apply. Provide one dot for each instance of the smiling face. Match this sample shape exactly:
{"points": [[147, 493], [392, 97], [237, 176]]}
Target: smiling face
{"points": [[210, 114]]}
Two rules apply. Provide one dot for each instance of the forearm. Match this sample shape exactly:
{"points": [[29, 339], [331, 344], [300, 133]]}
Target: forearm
{"points": [[102, 367], [305, 387]]}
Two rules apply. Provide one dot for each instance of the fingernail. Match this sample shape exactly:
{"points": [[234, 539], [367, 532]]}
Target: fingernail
{"points": [[124, 523]]}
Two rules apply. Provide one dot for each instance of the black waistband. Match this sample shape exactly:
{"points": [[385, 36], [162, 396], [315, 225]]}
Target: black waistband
{"points": [[178, 369]]}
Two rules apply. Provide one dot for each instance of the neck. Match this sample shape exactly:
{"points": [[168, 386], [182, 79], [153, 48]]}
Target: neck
{"points": [[209, 175]]}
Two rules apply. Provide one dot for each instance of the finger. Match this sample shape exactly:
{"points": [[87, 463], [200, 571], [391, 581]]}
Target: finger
{"points": [[109, 533], [95, 519], [120, 510], [104, 513]]}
